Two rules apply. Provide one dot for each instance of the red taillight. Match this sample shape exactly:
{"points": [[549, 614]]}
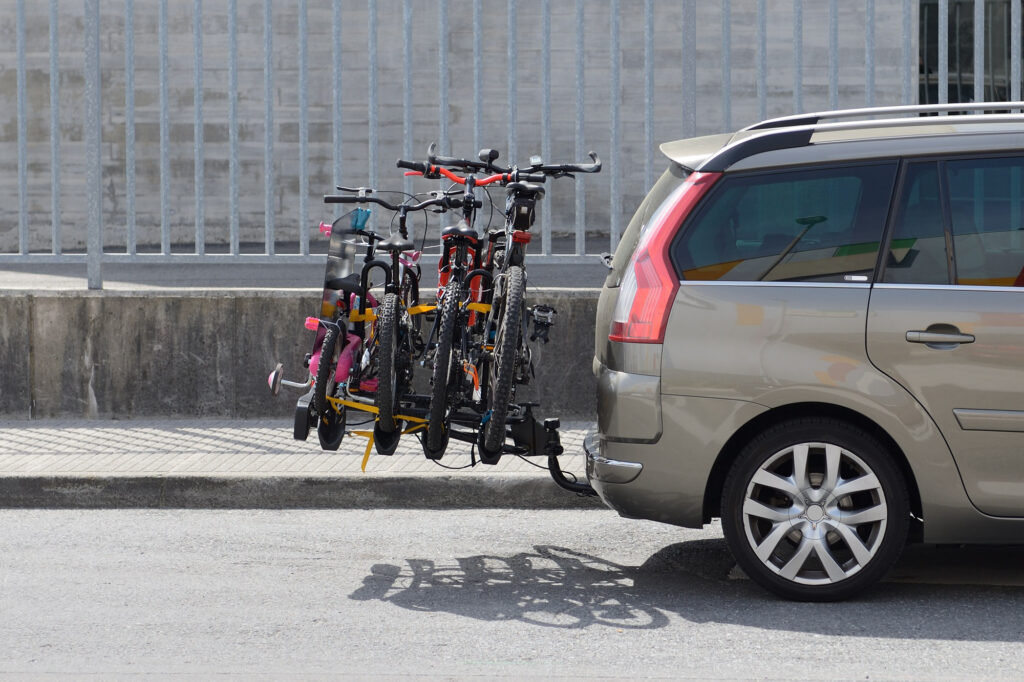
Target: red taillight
{"points": [[650, 283]]}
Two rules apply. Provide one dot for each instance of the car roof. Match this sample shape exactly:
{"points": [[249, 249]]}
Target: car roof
{"points": [[802, 138]]}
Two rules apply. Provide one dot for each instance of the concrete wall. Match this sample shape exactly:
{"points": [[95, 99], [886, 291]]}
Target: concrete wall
{"points": [[667, 103], [207, 353]]}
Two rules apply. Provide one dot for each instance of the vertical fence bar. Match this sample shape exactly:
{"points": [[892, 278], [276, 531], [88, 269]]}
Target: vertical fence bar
{"points": [[55, 246], [233, 207], [988, 89], [798, 56], [1005, 21], [833, 54], [762, 59], [1015, 48], [923, 69], [336, 87], [581, 206], [513, 101], [93, 139], [726, 65], [478, 95], [943, 39], [268, 128], [615, 191], [689, 68], [407, 89], [956, 53], [129, 125], [979, 51], [197, 39], [303, 131], [869, 54], [442, 72], [649, 94], [513, 86], [905, 60], [22, 132], [545, 112], [165, 162], [371, 50]]}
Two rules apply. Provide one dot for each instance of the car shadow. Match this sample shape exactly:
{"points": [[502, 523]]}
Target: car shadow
{"points": [[559, 587]]}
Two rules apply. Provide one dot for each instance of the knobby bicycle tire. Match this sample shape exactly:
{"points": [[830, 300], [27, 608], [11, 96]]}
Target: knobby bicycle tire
{"points": [[325, 372], [387, 368], [437, 424], [506, 354]]}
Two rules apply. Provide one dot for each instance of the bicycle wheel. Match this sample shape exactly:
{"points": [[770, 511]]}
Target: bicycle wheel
{"points": [[445, 367], [323, 385], [388, 318], [502, 368]]}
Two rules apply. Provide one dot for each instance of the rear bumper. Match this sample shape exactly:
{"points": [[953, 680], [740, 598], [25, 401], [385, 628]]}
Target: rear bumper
{"points": [[603, 469], [655, 463]]}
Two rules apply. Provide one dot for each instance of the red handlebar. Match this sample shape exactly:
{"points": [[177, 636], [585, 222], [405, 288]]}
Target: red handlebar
{"points": [[462, 181]]}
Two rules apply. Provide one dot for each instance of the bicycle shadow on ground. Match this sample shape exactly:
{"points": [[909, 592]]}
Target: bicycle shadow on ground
{"points": [[561, 588]]}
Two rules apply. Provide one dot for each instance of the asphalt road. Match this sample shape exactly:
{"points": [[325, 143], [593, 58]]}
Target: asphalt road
{"points": [[462, 594]]}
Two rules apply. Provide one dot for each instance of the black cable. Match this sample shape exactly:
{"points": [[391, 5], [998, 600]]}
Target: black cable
{"points": [[444, 466], [527, 460]]}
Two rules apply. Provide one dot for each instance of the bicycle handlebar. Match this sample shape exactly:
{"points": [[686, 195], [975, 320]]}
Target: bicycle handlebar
{"points": [[503, 178], [565, 168], [437, 166], [445, 201]]}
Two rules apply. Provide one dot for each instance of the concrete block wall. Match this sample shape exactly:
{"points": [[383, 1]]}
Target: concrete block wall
{"points": [[123, 355], [667, 103]]}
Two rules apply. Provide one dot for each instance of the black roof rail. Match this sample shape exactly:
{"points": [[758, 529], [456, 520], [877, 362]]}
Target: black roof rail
{"points": [[818, 116], [769, 140]]}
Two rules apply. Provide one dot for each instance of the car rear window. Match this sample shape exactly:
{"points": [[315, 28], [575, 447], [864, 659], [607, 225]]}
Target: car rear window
{"points": [[819, 224], [673, 176]]}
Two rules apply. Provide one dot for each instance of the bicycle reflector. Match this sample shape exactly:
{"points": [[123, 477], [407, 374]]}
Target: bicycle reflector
{"points": [[650, 282], [312, 323]]}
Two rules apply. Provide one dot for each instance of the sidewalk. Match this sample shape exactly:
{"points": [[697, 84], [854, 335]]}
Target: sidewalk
{"points": [[257, 464]]}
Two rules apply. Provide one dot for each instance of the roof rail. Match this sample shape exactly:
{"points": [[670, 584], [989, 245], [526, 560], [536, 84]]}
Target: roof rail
{"points": [[816, 117]]}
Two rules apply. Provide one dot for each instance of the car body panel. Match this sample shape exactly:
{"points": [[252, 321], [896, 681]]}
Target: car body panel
{"points": [[634, 415], [983, 379]]}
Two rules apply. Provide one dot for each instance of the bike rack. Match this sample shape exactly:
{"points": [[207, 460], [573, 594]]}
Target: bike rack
{"points": [[531, 437]]}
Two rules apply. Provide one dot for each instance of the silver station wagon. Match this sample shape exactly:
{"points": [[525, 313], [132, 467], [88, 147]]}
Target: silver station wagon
{"points": [[814, 329]]}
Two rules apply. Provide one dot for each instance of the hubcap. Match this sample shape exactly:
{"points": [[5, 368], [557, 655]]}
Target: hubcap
{"points": [[814, 513]]}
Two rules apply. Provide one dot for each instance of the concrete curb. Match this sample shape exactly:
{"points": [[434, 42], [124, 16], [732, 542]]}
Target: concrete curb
{"points": [[520, 491]]}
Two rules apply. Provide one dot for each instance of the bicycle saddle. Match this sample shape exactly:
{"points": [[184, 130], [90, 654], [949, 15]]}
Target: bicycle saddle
{"points": [[349, 284], [529, 189], [396, 243], [460, 229]]}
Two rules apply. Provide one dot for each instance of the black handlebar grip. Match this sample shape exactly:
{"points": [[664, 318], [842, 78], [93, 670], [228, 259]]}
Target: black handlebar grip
{"points": [[533, 177], [411, 165], [342, 199]]}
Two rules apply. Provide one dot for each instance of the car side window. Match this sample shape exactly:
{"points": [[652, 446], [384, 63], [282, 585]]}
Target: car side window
{"points": [[818, 224], [917, 252], [987, 217]]}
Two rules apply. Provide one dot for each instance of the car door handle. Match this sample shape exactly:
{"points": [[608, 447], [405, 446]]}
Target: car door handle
{"points": [[939, 338]]}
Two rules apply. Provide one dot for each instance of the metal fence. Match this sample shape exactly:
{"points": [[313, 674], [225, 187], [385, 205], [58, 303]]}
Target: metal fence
{"points": [[617, 77]]}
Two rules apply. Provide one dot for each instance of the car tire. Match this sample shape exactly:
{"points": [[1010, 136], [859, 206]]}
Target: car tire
{"points": [[815, 509]]}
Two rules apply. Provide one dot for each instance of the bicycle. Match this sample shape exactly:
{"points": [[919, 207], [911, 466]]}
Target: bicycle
{"points": [[507, 321], [396, 338], [467, 346]]}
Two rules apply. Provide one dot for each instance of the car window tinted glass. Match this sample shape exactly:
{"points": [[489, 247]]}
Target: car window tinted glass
{"points": [[673, 176], [917, 252], [820, 224], [987, 212]]}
